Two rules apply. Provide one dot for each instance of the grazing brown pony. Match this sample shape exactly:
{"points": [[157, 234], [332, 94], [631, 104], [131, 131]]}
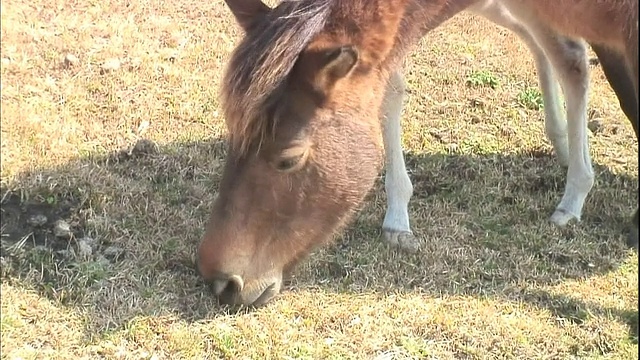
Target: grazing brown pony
{"points": [[312, 99]]}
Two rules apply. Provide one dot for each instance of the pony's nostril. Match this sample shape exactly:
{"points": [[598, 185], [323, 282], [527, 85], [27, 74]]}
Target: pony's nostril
{"points": [[237, 282], [228, 287]]}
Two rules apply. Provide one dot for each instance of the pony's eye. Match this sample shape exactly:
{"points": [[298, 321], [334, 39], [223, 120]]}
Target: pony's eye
{"points": [[292, 158], [289, 163]]}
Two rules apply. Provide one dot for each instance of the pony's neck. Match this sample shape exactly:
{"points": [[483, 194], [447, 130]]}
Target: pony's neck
{"points": [[420, 17]]}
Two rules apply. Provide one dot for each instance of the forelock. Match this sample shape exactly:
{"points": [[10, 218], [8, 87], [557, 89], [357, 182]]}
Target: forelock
{"points": [[260, 65]]}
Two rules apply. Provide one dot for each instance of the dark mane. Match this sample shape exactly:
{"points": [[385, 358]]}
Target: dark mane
{"points": [[261, 63]]}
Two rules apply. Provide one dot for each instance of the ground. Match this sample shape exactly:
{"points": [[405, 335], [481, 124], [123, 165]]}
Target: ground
{"points": [[111, 123]]}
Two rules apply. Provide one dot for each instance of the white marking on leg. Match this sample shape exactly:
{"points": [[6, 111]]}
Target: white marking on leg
{"points": [[396, 228], [555, 123], [569, 60], [570, 57]]}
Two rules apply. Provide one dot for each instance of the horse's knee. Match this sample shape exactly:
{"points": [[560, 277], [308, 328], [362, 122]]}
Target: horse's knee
{"points": [[574, 58]]}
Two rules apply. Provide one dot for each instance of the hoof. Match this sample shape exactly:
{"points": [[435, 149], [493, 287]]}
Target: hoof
{"points": [[561, 217], [404, 240]]}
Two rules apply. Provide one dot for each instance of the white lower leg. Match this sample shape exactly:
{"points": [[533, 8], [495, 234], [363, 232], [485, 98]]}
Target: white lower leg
{"points": [[569, 61], [555, 123], [396, 227], [580, 176]]}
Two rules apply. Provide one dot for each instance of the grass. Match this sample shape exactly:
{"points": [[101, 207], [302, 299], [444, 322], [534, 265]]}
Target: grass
{"points": [[495, 279], [483, 78], [531, 98]]}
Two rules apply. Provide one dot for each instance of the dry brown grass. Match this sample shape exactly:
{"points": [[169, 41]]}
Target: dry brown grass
{"points": [[495, 280]]}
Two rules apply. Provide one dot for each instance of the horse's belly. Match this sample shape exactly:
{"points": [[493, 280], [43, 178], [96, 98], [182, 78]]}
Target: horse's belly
{"points": [[596, 21]]}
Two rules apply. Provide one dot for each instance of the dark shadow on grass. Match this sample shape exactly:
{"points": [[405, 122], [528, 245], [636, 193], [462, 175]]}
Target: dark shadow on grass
{"points": [[146, 207], [570, 309]]}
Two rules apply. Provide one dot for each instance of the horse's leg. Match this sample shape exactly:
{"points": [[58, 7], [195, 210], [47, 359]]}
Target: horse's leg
{"points": [[569, 59], [615, 70], [396, 228], [621, 80], [555, 124]]}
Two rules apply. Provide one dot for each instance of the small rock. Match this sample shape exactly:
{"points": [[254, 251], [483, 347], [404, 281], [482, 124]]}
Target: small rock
{"points": [[170, 55], [507, 131], [594, 114], [467, 58], [93, 243], [479, 103], [144, 125], [84, 249], [113, 252], [67, 254], [37, 220], [40, 248], [70, 60], [100, 259], [595, 126], [62, 229], [111, 65], [135, 64], [177, 40], [144, 146]]}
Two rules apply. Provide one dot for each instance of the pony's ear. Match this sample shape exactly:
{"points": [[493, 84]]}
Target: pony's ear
{"points": [[336, 64], [247, 12]]}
